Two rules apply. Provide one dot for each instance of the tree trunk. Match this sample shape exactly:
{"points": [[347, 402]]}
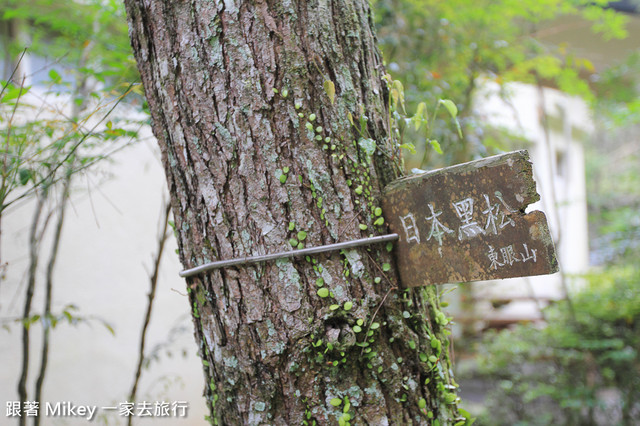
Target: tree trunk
{"points": [[259, 158]]}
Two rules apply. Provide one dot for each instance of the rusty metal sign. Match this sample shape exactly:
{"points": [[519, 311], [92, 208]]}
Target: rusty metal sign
{"points": [[467, 223]]}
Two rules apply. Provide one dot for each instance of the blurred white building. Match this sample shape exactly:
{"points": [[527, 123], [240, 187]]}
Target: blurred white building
{"points": [[552, 127]]}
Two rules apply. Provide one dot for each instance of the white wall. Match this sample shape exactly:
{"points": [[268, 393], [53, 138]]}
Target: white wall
{"points": [[109, 238]]}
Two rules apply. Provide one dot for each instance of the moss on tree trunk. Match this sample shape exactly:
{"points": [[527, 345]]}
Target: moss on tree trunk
{"points": [[258, 158]]}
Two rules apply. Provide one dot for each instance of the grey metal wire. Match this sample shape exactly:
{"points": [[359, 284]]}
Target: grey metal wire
{"points": [[287, 254]]}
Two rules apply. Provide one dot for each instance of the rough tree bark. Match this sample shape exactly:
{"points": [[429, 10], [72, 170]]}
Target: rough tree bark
{"points": [[259, 158]]}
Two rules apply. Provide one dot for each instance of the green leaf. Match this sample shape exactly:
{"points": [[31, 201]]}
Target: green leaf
{"points": [[377, 211], [54, 76], [458, 128], [363, 121], [11, 92], [409, 147], [283, 178], [68, 316], [24, 175], [386, 267], [420, 115], [362, 226], [348, 306], [435, 145], [109, 328], [398, 92], [323, 292], [368, 145], [450, 398], [422, 403], [292, 226], [302, 235], [450, 106], [464, 413], [336, 402], [330, 88]]}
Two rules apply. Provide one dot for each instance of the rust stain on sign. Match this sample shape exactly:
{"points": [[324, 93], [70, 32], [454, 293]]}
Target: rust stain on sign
{"points": [[467, 223]]}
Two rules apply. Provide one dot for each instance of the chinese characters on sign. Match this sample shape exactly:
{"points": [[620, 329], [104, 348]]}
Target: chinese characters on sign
{"points": [[509, 256], [467, 223], [469, 228], [89, 412]]}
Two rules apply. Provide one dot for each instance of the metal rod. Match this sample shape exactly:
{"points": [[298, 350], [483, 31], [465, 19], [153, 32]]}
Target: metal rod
{"points": [[286, 254]]}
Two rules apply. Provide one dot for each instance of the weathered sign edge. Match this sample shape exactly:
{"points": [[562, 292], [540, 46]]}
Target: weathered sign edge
{"points": [[492, 161]]}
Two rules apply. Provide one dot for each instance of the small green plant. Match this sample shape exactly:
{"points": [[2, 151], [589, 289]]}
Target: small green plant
{"points": [[400, 121], [557, 374]]}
